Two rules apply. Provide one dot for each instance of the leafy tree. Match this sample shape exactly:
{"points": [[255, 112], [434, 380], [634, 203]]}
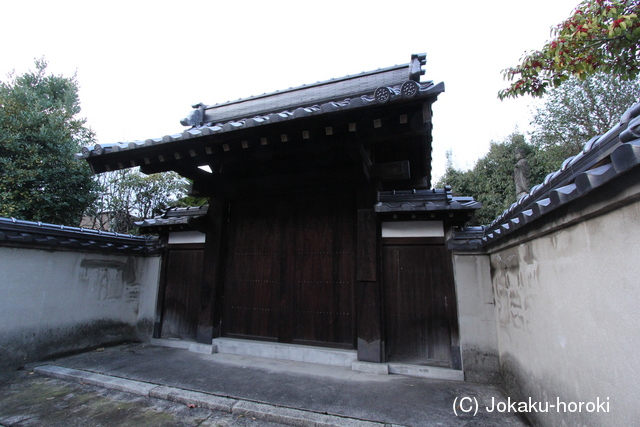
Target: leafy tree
{"points": [[39, 134], [491, 180], [578, 110], [601, 36], [570, 116], [128, 195]]}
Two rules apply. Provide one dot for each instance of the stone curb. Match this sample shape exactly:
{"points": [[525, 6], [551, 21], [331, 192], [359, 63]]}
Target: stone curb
{"points": [[266, 412], [188, 397]]}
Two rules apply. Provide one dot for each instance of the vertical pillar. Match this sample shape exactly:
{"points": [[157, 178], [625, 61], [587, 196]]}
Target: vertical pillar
{"points": [[424, 180], [162, 284], [210, 316], [369, 292]]}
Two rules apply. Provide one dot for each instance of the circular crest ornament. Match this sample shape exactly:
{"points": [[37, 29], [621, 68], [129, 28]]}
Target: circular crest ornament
{"points": [[409, 89], [382, 94]]}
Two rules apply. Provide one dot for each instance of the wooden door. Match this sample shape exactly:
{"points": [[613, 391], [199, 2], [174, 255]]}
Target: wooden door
{"points": [[323, 273], [290, 271], [421, 314], [182, 285], [254, 269]]}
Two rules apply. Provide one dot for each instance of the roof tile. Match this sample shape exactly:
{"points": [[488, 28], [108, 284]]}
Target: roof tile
{"points": [[19, 232], [578, 176]]}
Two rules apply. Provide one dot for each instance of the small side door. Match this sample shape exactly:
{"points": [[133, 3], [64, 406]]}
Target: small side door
{"points": [[420, 304]]}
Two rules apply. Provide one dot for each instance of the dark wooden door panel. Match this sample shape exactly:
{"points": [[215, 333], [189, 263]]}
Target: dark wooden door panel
{"points": [[183, 281], [325, 273], [420, 304], [291, 272], [253, 273]]}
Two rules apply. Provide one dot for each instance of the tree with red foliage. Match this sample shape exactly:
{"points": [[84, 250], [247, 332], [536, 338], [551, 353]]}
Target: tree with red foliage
{"points": [[601, 36]]}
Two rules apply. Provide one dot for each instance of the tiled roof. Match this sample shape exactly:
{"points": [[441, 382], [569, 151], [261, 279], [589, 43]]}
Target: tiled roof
{"points": [[174, 219], [436, 200], [382, 95], [309, 94], [467, 238], [602, 159], [18, 232], [424, 201]]}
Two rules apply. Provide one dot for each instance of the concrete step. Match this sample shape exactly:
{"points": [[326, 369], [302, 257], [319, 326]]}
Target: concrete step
{"points": [[309, 354], [408, 370], [185, 344], [422, 371], [293, 352]]}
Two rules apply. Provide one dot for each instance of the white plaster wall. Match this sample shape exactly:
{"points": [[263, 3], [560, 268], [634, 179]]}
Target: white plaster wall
{"points": [[476, 317], [567, 309], [150, 268], [184, 237], [412, 229], [55, 301]]}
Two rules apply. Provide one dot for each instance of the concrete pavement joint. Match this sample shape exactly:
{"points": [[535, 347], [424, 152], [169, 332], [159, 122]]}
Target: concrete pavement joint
{"points": [[297, 417], [266, 412], [189, 397]]}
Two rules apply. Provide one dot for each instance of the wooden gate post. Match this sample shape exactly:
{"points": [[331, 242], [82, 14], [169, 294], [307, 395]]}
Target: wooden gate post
{"points": [[369, 294], [213, 283]]}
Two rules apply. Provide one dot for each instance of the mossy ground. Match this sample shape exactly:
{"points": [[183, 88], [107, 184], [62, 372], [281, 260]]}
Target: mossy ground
{"points": [[28, 399]]}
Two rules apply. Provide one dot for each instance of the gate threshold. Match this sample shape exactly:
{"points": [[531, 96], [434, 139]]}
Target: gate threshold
{"points": [[310, 354], [293, 352]]}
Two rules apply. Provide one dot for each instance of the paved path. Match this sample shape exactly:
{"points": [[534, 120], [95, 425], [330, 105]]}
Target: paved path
{"points": [[240, 388]]}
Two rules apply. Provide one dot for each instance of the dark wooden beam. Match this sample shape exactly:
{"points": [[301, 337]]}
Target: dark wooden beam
{"points": [[230, 187], [210, 186], [413, 241], [360, 156], [393, 171], [190, 171]]}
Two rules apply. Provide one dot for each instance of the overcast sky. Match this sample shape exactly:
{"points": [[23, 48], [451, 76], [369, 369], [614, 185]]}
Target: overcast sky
{"points": [[142, 64]]}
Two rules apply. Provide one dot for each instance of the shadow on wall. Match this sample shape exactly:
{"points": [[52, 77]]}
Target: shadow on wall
{"points": [[60, 296]]}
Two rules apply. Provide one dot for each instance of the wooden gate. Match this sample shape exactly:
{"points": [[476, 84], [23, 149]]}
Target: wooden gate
{"points": [[421, 314], [182, 282], [290, 271]]}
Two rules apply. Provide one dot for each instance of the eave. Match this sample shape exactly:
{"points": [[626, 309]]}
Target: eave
{"points": [[176, 219], [19, 233], [431, 204], [344, 131]]}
